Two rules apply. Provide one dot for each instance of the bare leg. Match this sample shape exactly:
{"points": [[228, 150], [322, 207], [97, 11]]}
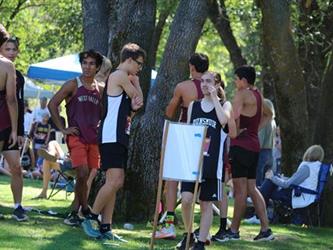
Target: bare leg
{"points": [[240, 194], [206, 219], [106, 196], [171, 195], [13, 159], [91, 178], [47, 166], [187, 201], [259, 203], [82, 173]]}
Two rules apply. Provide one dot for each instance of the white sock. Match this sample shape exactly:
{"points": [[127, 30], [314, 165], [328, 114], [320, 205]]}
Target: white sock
{"points": [[17, 205]]}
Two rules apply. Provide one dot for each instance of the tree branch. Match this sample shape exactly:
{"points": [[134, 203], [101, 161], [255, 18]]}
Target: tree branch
{"points": [[219, 17]]}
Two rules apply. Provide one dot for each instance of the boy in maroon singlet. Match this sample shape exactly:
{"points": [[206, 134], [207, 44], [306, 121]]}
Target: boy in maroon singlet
{"points": [[83, 106], [250, 115]]}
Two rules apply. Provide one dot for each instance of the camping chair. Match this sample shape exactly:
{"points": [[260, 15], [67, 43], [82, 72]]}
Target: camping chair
{"points": [[67, 173], [318, 202]]}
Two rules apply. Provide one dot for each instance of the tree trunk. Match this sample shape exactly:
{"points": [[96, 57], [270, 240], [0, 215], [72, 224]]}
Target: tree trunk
{"points": [[311, 47], [219, 17], [324, 134], [95, 25], [132, 21], [289, 88], [145, 156]]}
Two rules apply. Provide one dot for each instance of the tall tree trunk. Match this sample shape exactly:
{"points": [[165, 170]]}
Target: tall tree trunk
{"points": [[95, 25], [130, 21], [289, 88], [219, 17], [144, 162], [324, 134], [311, 47]]}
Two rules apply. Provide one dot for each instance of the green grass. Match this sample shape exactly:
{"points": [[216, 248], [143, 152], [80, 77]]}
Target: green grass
{"points": [[47, 232]]}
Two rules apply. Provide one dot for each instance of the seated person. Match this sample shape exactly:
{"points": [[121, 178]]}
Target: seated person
{"points": [[27, 159], [41, 133], [281, 188], [4, 168], [54, 158]]}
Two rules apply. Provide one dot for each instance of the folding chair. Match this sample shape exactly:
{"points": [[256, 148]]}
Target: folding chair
{"points": [[68, 174], [318, 202]]}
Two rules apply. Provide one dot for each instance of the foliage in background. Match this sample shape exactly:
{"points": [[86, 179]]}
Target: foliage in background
{"points": [[46, 28]]}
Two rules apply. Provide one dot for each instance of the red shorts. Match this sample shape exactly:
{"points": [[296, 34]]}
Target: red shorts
{"points": [[83, 154]]}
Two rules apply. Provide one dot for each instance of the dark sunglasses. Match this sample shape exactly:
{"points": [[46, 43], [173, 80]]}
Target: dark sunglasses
{"points": [[139, 63]]}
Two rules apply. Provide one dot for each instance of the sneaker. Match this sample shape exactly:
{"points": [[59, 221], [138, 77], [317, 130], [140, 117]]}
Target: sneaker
{"points": [[265, 236], [228, 235], [196, 235], [111, 236], [198, 247], [42, 152], [90, 229], [182, 244], [252, 220], [219, 236], [73, 219], [19, 214], [166, 233]]}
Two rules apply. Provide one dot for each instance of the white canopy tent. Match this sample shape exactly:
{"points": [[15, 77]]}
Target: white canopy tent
{"points": [[31, 90]]}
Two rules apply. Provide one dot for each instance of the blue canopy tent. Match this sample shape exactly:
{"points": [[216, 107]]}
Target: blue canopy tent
{"points": [[61, 69]]}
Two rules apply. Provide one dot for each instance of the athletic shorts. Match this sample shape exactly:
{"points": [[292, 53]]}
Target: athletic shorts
{"points": [[244, 163], [4, 135], [113, 155], [210, 189], [82, 154]]}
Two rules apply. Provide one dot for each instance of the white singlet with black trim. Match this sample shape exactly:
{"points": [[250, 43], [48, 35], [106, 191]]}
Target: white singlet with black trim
{"points": [[115, 126]]}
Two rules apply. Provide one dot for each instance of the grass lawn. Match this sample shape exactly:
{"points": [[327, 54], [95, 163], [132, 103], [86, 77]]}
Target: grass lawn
{"points": [[47, 232]]}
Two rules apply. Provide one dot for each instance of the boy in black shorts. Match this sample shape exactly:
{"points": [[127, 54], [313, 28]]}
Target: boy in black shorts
{"points": [[214, 112]]}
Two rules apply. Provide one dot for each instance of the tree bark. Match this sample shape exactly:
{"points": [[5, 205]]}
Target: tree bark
{"points": [[324, 134], [219, 17], [289, 88], [132, 21], [144, 161], [95, 25]]}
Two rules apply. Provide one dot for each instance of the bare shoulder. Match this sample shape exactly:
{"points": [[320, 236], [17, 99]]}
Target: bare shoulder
{"points": [[6, 64], [184, 86]]}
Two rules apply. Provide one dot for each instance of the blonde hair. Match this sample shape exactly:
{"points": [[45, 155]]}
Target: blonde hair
{"points": [[104, 71], [314, 153]]}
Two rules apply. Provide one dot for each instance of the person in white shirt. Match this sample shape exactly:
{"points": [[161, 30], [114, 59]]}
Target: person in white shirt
{"points": [[38, 113], [28, 118]]}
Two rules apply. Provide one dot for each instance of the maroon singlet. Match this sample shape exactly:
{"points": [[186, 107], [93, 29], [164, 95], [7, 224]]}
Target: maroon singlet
{"points": [[248, 139], [5, 118], [84, 112], [200, 95]]}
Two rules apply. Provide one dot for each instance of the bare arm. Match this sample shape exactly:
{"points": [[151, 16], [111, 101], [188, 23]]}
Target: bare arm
{"points": [[12, 102], [232, 124], [66, 91], [237, 106], [173, 104], [189, 112], [267, 115]]}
